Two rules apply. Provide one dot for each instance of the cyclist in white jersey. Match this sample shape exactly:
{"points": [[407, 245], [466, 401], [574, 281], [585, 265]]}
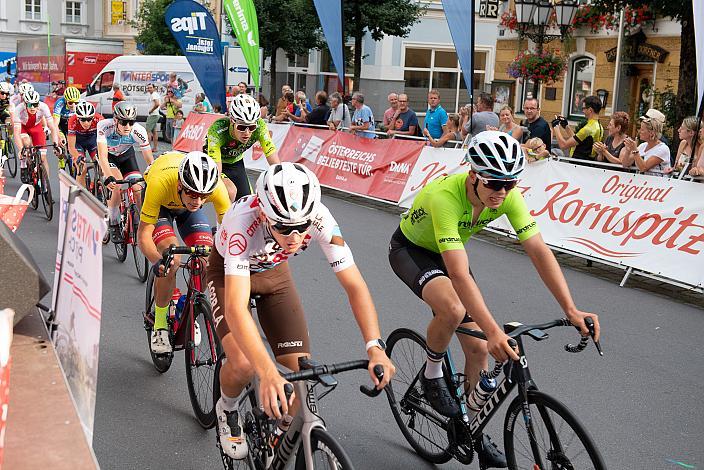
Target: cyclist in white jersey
{"points": [[24, 87], [116, 139], [258, 235]]}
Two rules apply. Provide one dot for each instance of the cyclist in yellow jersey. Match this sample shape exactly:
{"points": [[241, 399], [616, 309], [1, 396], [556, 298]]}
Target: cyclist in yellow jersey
{"points": [[178, 186], [228, 139], [427, 252], [581, 143]]}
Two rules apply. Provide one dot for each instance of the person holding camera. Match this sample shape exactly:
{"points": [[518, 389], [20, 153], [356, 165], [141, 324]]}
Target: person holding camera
{"points": [[581, 144]]}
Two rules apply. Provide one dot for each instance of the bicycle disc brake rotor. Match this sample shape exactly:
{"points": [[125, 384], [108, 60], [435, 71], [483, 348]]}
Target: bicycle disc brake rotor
{"points": [[460, 438]]}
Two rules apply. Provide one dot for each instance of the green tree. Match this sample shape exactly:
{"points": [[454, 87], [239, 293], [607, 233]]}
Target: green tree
{"points": [[292, 26], [152, 31], [381, 18], [681, 11]]}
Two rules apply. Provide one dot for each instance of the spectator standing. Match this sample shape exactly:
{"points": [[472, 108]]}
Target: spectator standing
{"points": [[686, 132], [288, 100], [241, 88], [697, 168], [450, 137], [537, 126], [339, 114], [170, 105], [613, 149], [202, 104], [177, 124], [404, 121], [263, 105], [154, 116], [319, 115], [117, 94], [508, 125], [300, 103], [482, 118], [363, 118], [581, 144], [389, 113], [435, 116], [282, 104], [652, 156]]}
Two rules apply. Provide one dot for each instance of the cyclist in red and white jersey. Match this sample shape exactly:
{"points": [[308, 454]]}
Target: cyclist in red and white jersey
{"points": [[82, 136], [29, 121], [116, 157], [23, 88]]}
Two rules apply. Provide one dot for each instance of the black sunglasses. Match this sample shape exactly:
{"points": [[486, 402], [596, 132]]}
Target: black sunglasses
{"points": [[4, 93], [498, 184], [86, 119], [289, 229], [126, 122], [246, 127], [32, 105]]}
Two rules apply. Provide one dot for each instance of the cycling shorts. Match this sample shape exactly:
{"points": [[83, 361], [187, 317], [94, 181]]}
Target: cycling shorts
{"points": [[87, 144], [36, 133], [415, 266], [279, 308], [237, 173], [193, 227], [126, 162]]}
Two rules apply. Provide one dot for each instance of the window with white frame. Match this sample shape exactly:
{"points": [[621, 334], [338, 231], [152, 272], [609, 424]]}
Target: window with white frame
{"points": [[581, 82], [33, 10], [438, 68], [73, 12], [526, 92]]}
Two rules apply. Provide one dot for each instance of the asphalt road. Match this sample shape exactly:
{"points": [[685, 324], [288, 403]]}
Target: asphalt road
{"points": [[641, 401]]}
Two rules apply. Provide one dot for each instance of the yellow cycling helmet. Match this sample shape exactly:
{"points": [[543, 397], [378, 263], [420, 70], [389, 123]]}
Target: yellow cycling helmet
{"points": [[72, 94]]}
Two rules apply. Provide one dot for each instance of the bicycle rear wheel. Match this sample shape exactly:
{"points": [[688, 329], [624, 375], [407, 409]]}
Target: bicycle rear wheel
{"points": [[559, 438], [327, 452], [201, 356], [162, 362], [47, 200], [423, 427], [140, 261], [11, 163]]}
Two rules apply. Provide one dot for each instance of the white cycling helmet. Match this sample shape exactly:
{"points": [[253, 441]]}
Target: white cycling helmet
{"points": [[6, 88], [495, 154], [289, 193], [244, 108], [31, 97], [25, 87], [85, 110], [198, 173]]}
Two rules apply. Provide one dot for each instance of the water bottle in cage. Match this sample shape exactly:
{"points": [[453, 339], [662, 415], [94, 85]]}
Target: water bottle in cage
{"points": [[481, 393]]}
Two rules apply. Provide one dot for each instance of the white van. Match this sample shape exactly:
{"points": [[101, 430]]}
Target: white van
{"points": [[134, 73]]}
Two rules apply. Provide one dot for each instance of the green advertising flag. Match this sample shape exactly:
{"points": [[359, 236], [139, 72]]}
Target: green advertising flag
{"points": [[243, 20]]}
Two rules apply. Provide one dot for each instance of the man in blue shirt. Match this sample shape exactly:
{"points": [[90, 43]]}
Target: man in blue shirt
{"points": [[436, 116], [363, 118], [405, 121]]}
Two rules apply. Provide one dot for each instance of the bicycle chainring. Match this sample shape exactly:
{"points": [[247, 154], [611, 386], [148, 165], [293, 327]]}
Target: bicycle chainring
{"points": [[460, 438]]}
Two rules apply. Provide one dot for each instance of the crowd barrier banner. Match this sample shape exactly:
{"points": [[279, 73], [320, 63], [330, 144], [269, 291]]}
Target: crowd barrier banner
{"points": [[372, 167], [254, 156], [79, 296], [6, 321], [431, 164], [195, 128]]}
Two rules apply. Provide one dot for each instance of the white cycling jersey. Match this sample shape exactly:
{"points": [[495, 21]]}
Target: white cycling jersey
{"points": [[119, 144], [247, 245], [16, 100], [21, 115]]}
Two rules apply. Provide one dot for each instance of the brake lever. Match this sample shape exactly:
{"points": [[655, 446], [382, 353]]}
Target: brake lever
{"points": [[590, 326], [372, 391]]}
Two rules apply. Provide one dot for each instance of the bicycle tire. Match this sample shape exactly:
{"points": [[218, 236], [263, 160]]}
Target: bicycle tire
{"points": [[141, 263], [545, 411], [121, 248], [407, 350], [325, 447], [201, 361], [47, 200], [34, 204], [162, 362], [11, 158]]}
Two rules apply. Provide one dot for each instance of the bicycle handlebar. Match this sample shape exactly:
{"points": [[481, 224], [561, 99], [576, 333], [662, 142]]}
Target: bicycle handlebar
{"points": [[131, 181], [325, 369], [168, 254]]}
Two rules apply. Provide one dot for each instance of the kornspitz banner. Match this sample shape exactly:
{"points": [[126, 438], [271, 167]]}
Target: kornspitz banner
{"points": [[243, 20], [194, 29]]}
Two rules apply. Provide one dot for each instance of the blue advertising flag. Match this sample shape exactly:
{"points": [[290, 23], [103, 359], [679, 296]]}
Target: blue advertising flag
{"points": [[330, 14], [194, 29], [460, 19]]}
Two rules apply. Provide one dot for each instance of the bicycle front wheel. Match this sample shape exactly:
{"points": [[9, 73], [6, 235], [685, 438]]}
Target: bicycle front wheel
{"points": [[47, 200], [140, 261], [202, 351], [11, 158], [327, 452], [552, 438], [423, 427], [121, 248]]}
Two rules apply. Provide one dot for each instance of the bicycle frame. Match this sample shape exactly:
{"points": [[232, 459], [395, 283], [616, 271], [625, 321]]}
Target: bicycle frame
{"points": [[196, 270]]}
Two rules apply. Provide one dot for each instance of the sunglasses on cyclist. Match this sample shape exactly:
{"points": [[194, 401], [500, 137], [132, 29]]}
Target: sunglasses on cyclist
{"points": [[246, 127], [496, 184], [32, 105], [286, 230], [126, 122], [71, 103], [4, 93], [195, 195], [86, 119]]}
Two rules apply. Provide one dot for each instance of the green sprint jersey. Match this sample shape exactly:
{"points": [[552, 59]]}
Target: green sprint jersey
{"points": [[441, 216], [222, 147]]}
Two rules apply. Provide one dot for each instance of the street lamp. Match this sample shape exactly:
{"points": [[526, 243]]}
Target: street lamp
{"points": [[533, 16]]}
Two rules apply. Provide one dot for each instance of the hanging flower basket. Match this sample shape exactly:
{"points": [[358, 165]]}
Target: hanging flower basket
{"points": [[547, 67], [595, 19]]}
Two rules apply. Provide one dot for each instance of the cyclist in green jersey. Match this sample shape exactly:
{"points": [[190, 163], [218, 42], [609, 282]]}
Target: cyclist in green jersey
{"points": [[427, 252], [229, 138]]}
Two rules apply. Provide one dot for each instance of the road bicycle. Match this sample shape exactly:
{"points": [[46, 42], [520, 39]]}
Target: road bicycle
{"points": [[7, 148], [191, 330], [94, 181], [307, 437], [540, 432], [39, 178], [129, 223]]}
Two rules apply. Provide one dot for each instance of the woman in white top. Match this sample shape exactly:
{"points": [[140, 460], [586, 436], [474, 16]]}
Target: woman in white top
{"points": [[652, 156]]}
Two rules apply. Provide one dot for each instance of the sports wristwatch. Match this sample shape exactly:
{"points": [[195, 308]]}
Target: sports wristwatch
{"points": [[379, 343]]}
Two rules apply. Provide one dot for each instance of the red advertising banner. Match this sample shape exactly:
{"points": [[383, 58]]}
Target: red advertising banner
{"points": [[82, 67], [195, 128], [372, 167], [41, 69]]}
